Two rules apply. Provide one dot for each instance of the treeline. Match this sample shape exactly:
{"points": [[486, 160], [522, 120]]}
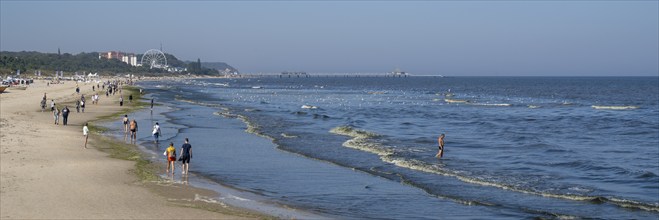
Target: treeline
{"points": [[30, 61]]}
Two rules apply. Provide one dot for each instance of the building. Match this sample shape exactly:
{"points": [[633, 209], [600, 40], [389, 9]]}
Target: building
{"points": [[128, 58]]}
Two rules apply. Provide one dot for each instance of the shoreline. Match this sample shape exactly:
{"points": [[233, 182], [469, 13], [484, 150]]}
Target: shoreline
{"points": [[233, 196], [44, 167]]}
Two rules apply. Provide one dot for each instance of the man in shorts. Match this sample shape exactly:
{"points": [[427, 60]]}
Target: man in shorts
{"points": [[440, 145], [133, 131], [186, 155]]}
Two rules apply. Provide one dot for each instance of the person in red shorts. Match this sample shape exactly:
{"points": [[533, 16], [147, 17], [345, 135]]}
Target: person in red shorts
{"points": [[171, 157]]}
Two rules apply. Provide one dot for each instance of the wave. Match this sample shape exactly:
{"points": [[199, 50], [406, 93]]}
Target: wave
{"points": [[225, 114], [614, 107], [491, 104], [288, 135], [252, 128], [476, 103], [533, 106], [436, 169], [352, 132], [456, 101], [195, 102], [363, 140]]}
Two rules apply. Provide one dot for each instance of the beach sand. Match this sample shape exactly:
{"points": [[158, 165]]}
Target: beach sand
{"points": [[45, 173]]}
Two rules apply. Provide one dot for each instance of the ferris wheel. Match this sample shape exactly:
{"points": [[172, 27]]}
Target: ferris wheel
{"points": [[154, 59]]}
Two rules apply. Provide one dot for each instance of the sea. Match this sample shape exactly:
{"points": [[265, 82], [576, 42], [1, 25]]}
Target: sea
{"points": [[350, 147]]}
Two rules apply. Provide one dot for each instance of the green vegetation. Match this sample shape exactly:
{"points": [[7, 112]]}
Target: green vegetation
{"points": [[29, 61], [144, 169]]}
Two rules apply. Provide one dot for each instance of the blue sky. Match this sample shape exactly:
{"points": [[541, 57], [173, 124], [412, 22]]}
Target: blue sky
{"points": [[483, 38]]}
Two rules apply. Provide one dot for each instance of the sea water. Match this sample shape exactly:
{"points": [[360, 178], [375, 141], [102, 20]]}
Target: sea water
{"points": [[364, 147]]}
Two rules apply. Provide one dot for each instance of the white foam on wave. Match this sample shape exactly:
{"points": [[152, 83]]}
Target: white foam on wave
{"points": [[352, 132], [288, 135], [613, 107], [435, 169], [456, 101], [363, 145], [361, 141], [492, 104]]}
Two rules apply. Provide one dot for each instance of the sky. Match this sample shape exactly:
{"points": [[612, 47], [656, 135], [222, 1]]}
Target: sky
{"points": [[450, 38]]}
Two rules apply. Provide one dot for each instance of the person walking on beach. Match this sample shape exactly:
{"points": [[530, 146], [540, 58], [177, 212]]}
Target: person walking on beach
{"points": [[121, 101], [52, 105], [133, 130], [43, 105], [65, 115], [186, 155], [440, 144], [82, 104], [156, 132], [125, 124], [130, 98], [171, 157], [85, 132], [151, 104], [78, 106], [56, 113]]}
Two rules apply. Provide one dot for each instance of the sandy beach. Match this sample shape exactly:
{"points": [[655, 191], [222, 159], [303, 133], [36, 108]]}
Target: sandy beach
{"points": [[45, 173]]}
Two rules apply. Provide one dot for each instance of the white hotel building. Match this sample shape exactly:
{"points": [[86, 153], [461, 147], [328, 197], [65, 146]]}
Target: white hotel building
{"points": [[128, 58]]}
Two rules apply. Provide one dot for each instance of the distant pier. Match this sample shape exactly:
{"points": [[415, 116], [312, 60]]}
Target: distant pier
{"points": [[325, 75]]}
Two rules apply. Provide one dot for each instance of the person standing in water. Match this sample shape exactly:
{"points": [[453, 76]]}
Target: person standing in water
{"points": [[125, 124], [186, 155], [440, 144], [133, 130], [171, 157], [156, 132]]}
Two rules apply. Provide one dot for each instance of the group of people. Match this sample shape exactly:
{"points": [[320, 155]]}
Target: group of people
{"points": [[186, 155], [130, 125], [64, 112], [170, 152]]}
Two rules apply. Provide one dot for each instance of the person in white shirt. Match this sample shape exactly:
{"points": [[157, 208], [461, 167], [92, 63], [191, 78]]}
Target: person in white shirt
{"points": [[85, 132], [156, 132]]}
